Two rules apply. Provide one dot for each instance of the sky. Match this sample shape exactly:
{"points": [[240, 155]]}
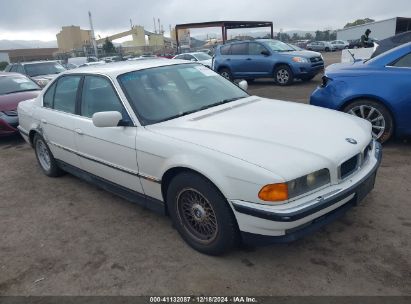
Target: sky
{"points": [[43, 19]]}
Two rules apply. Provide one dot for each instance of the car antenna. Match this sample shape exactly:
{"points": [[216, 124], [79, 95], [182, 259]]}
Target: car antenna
{"points": [[352, 55]]}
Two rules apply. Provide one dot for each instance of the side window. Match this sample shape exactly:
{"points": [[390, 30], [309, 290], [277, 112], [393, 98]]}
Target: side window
{"points": [[13, 68], [98, 95], [48, 96], [8, 68], [66, 93], [225, 50], [239, 49], [255, 48], [20, 69], [404, 62]]}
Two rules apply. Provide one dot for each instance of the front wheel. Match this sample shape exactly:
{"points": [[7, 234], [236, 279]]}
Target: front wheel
{"points": [[45, 158], [377, 114], [201, 214], [283, 75], [226, 73]]}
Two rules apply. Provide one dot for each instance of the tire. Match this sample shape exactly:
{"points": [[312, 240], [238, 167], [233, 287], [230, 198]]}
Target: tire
{"points": [[45, 158], [376, 113], [327, 49], [226, 73], [283, 75], [201, 214]]}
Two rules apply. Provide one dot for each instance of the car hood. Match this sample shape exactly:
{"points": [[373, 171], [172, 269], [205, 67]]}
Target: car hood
{"points": [[280, 136], [48, 76], [305, 54], [206, 62], [9, 102]]}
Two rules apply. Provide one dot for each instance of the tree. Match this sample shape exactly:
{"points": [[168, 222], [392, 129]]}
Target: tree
{"points": [[308, 36], [108, 47], [359, 22], [295, 37], [3, 65]]}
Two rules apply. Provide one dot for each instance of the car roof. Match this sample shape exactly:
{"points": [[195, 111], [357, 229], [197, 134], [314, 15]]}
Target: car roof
{"points": [[35, 62], [117, 68], [3, 74]]}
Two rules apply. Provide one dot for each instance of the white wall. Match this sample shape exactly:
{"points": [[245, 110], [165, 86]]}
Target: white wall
{"points": [[379, 30], [4, 57]]}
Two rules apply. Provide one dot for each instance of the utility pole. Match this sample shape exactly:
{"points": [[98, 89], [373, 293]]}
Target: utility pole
{"points": [[93, 39], [155, 28]]}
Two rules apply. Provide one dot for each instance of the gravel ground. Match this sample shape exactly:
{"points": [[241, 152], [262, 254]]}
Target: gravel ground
{"points": [[63, 236]]}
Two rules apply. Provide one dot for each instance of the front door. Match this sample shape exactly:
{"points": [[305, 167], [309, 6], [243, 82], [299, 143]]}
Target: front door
{"points": [[109, 153]]}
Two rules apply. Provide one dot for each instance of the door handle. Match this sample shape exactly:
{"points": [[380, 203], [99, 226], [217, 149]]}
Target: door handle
{"points": [[79, 131], [43, 121], [248, 59]]}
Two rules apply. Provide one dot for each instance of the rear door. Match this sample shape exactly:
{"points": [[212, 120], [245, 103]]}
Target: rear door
{"points": [[238, 57], [57, 118], [109, 153]]}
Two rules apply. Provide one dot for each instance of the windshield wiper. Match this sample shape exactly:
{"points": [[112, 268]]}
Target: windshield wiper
{"points": [[21, 91], [202, 108]]}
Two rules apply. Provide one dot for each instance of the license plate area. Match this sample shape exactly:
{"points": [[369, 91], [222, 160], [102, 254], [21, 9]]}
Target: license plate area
{"points": [[365, 188]]}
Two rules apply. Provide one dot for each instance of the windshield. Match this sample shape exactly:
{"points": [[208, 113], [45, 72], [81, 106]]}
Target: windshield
{"points": [[168, 92], [43, 68], [14, 84], [278, 46], [202, 56]]}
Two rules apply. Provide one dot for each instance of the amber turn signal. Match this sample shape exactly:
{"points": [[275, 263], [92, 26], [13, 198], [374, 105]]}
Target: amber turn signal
{"points": [[274, 192]]}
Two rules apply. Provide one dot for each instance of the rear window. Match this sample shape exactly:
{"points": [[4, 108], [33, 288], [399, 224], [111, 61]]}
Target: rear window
{"points": [[43, 68], [239, 49], [225, 50]]}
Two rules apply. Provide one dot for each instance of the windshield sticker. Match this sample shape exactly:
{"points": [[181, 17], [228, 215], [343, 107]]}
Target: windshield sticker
{"points": [[206, 71]]}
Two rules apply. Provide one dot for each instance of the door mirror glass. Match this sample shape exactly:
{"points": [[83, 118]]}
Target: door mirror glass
{"points": [[265, 53], [243, 84], [106, 119]]}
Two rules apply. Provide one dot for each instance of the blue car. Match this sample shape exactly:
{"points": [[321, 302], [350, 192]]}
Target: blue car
{"points": [[266, 58], [378, 90]]}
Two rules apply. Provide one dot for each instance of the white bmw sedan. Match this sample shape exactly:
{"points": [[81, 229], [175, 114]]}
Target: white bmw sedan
{"points": [[178, 138]]}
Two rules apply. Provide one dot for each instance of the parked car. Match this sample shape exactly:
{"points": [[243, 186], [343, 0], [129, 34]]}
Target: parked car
{"points": [[356, 43], [40, 71], [340, 44], [180, 139], [199, 57], [377, 90], [263, 58], [391, 42], [14, 88], [321, 46]]}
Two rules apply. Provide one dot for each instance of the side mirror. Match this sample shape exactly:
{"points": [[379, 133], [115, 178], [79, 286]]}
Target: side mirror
{"points": [[243, 84], [265, 53], [106, 119]]}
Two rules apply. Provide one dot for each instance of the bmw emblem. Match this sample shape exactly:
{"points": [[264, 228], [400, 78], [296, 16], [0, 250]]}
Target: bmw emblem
{"points": [[351, 141]]}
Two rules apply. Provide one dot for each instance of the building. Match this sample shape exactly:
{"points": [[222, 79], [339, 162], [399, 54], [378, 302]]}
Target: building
{"points": [[379, 29], [20, 55], [4, 57], [72, 38]]}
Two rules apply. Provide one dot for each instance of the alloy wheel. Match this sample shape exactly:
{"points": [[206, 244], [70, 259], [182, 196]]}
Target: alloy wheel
{"points": [[43, 155], [373, 115], [197, 215], [283, 76]]}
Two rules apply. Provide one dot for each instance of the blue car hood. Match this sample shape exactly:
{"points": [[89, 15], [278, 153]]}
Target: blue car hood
{"points": [[305, 54]]}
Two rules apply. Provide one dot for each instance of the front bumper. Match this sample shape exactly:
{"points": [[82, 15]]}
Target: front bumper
{"points": [[264, 226], [7, 128]]}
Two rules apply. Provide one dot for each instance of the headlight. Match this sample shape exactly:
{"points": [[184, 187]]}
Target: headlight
{"points": [[300, 59], [42, 82], [296, 187]]}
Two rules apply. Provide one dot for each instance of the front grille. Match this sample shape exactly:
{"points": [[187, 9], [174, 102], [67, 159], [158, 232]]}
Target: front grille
{"points": [[348, 167], [316, 59]]}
